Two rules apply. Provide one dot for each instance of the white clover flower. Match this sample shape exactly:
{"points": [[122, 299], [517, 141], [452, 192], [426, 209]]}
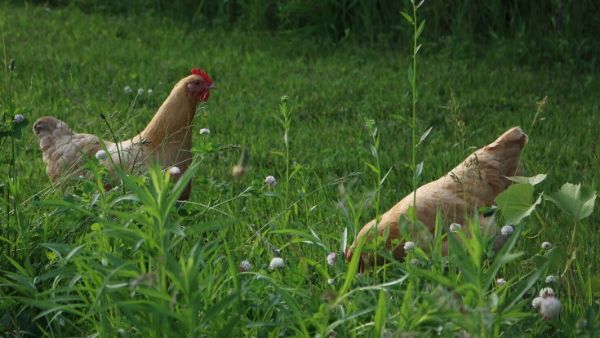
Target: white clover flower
{"points": [[507, 230], [276, 263], [546, 245], [409, 246], [331, 281], [101, 155], [331, 258], [546, 292], [204, 131], [454, 227], [550, 279], [535, 303], [127, 90], [174, 170], [150, 91], [550, 307], [140, 91], [270, 181], [19, 118], [500, 281], [245, 266]]}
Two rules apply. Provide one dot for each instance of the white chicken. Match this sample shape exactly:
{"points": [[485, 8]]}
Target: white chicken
{"points": [[167, 139], [474, 183]]}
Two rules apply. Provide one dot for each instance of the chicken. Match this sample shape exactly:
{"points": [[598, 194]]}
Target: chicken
{"points": [[474, 183], [167, 139]]}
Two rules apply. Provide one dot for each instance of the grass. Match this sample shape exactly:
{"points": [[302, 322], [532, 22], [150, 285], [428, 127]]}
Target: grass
{"points": [[78, 261]]}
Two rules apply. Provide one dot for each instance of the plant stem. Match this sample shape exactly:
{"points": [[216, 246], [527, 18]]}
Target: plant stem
{"points": [[413, 83]]}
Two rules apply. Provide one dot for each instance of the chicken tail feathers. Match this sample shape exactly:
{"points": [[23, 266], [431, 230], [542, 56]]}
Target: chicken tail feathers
{"points": [[507, 150], [512, 138], [62, 149]]}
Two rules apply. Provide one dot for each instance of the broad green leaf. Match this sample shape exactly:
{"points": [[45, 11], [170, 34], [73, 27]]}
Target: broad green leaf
{"points": [[575, 200], [533, 180], [516, 202]]}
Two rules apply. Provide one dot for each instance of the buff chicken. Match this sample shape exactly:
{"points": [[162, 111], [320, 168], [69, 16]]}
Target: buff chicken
{"points": [[473, 184], [166, 140]]}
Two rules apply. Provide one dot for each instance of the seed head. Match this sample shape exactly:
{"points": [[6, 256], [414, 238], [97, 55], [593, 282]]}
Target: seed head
{"points": [[550, 279], [204, 131], [546, 245], [140, 91], [150, 91], [331, 281], [409, 246], [127, 90], [500, 281]]}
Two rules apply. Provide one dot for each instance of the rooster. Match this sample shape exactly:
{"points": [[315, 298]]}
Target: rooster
{"points": [[166, 140], [474, 183]]}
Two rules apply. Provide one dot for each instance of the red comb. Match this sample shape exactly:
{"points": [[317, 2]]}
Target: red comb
{"points": [[202, 74]]}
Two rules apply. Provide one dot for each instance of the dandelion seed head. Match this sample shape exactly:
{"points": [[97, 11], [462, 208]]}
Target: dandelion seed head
{"points": [[546, 245], [500, 281], [331, 281], [550, 279], [414, 261], [150, 91], [127, 90], [140, 91], [204, 131]]}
